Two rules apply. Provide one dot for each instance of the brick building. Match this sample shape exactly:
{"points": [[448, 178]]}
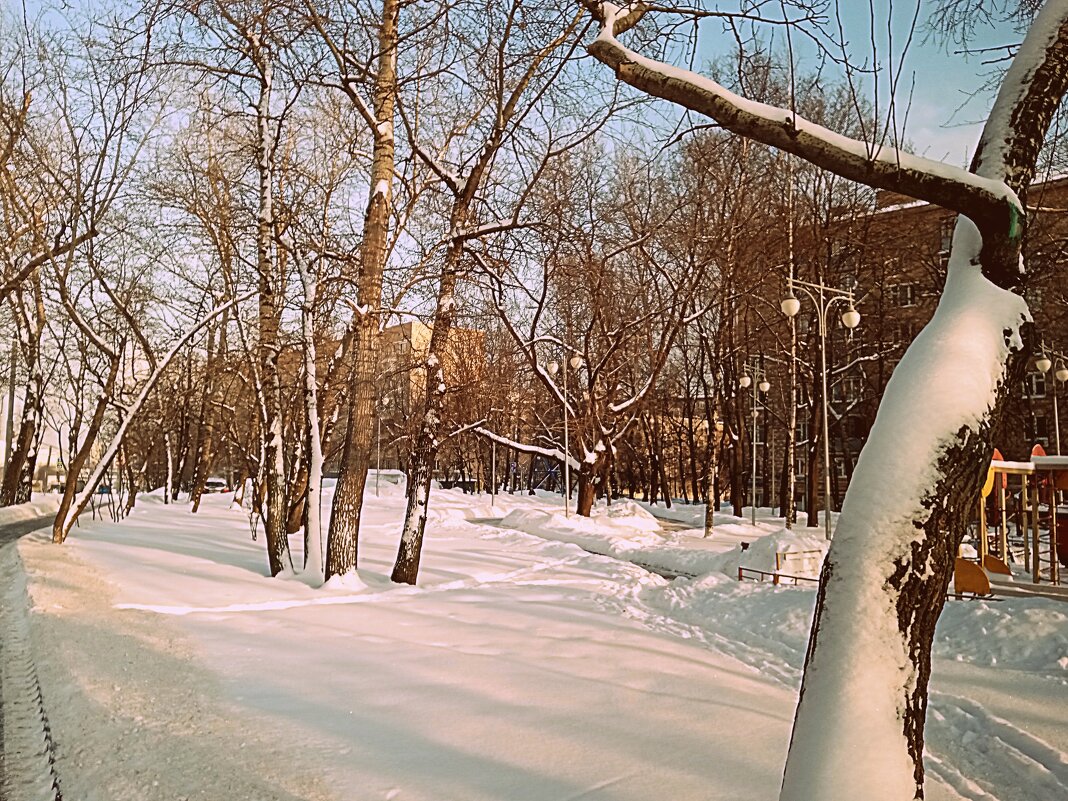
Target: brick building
{"points": [[895, 256]]}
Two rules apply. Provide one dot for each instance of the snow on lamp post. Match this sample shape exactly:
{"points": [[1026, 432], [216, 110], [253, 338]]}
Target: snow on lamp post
{"points": [[823, 298], [553, 368]]}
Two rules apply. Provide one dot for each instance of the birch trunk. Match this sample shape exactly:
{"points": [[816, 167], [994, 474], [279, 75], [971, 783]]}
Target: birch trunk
{"points": [[313, 543], [270, 318], [425, 449]]}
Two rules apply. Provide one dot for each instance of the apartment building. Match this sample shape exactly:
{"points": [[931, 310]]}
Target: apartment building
{"points": [[402, 380], [895, 258]]}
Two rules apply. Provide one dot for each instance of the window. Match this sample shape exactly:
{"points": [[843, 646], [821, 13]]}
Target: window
{"points": [[902, 332], [853, 388], [902, 294], [804, 324], [800, 466], [1041, 428], [802, 431], [1036, 385], [840, 468], [946, 234], [849, 389]]}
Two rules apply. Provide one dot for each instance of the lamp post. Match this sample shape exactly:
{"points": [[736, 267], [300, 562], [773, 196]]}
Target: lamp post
{"points": [[553, 368], [823, 298], [713, 433], [1044, 363], [763, 385], [381, 405]]}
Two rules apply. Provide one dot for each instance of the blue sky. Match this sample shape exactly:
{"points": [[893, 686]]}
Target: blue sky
{"points": [[944, 121]]}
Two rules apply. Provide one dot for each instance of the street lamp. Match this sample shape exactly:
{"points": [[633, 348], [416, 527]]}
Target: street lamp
{"points": [[823, 298], [553, 368], [1043, 363], [763, 385]]}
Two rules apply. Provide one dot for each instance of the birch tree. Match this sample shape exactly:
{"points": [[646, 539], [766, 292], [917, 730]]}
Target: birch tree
{"points": [[884, 581], [243, 50], [487, 151]]}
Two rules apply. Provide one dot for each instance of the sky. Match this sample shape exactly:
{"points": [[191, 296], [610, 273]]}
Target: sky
{"points": [[948, 102]]}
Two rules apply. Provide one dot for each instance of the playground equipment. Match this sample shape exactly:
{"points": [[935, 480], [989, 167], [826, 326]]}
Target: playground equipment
{"points": [[1019, 520]]}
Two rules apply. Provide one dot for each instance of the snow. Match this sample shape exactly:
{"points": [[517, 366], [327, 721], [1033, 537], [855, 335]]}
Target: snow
{"points": [[521, 667], [628, 531], [40, 505], [381, 188], [951, 372]]}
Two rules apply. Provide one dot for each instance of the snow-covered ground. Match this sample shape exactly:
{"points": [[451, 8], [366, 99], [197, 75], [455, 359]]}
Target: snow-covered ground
{"points": [[521, 667], [42, 504]]}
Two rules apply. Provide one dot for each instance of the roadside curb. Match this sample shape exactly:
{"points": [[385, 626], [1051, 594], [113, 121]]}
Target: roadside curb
{"points": [[28, 766]]}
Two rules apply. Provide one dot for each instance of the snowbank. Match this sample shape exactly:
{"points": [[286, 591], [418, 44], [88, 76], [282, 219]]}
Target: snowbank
{"points": [[797, 553], [628, 531], [1020, 633], [41, 505]]}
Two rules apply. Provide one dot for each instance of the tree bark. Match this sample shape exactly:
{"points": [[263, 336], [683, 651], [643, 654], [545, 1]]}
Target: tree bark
{"points": [[270, 283], [343, 542], [424, 452]]}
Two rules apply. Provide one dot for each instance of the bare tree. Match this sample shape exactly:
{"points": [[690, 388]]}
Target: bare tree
{"points": [[513, 56]]}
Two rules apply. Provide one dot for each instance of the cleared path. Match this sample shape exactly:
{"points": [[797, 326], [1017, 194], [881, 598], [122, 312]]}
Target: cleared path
{"points": [[9, 787]]}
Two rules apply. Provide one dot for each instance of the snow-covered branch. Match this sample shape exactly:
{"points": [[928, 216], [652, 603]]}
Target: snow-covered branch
{"points": [[536, 450], [989, 202]]}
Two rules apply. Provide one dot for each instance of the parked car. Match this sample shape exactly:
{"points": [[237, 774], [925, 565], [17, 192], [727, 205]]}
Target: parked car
{"points": [[216, 485]]}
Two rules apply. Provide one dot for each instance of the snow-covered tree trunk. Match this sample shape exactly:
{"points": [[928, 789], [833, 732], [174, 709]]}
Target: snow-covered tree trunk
{"points": [[313, 524], [424, 451], [858, 732], [343, 543], [270, 319]]}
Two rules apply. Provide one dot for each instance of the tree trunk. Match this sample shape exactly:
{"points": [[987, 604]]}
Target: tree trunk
{"points": [[205, 456], [424, 451], [22, 454], [343, 541], [974, 352], [68, 510], [270, 283]]}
